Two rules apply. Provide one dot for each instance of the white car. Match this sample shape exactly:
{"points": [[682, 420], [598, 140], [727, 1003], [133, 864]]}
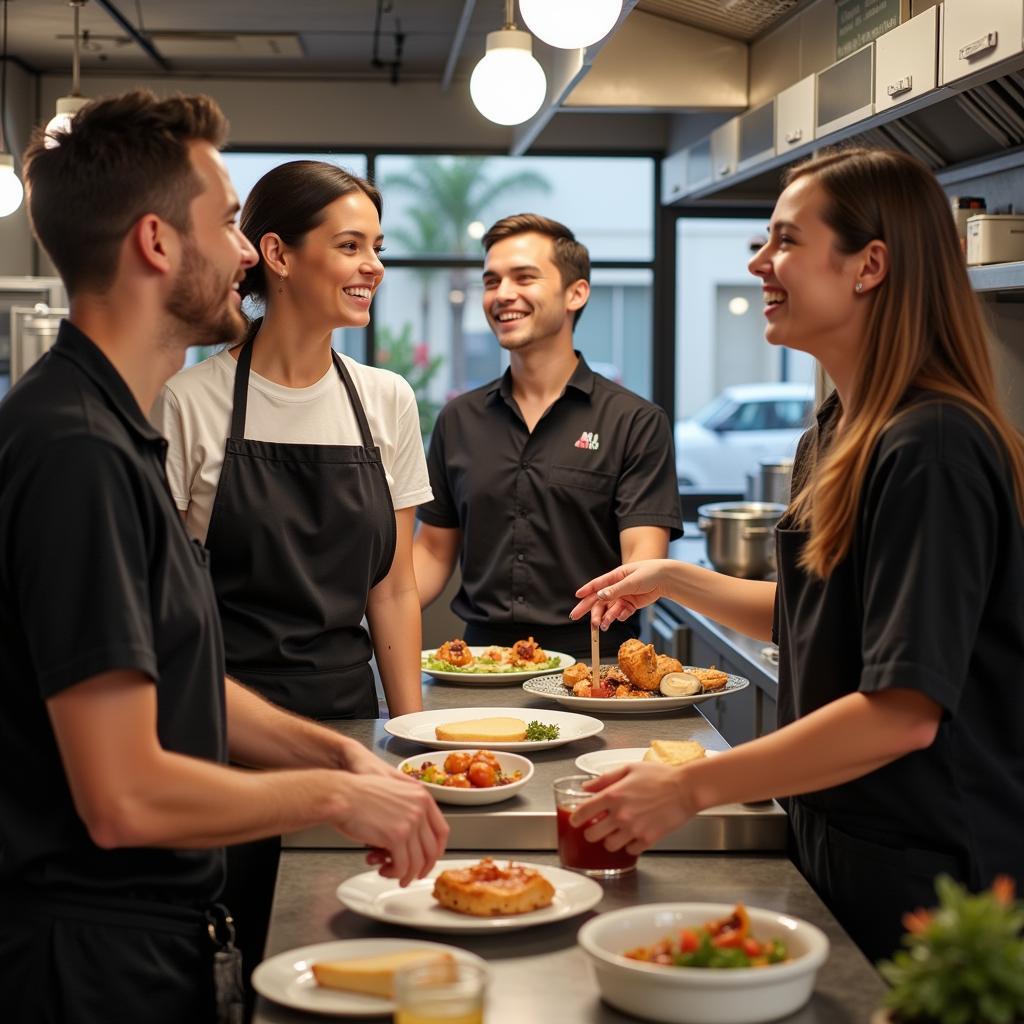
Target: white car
{"points": [[726, 440]]}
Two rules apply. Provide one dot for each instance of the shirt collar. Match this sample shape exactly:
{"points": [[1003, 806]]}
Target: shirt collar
{"points": [[581, 381], [76, 346]]}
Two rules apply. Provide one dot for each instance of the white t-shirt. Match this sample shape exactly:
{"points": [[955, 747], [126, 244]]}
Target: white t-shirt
{"points": [[194, 413]]}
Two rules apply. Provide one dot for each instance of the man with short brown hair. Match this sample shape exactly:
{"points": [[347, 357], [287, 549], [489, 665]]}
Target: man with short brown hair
{"points": [[547, 473], [116, 721]]}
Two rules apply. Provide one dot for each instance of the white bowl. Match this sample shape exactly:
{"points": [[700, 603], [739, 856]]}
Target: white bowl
{"points": [[474, 797], [700, 995]]}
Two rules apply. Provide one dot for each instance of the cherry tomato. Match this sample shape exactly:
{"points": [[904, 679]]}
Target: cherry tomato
{"points": [[730, 938], [752, 947], [487, 758], [688, 941], [482, 775], [456, 763], [458, 781]]}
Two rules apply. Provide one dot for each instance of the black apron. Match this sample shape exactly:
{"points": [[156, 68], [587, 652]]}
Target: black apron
{"points": [[299, 535], [93, 958], [866, 877]]}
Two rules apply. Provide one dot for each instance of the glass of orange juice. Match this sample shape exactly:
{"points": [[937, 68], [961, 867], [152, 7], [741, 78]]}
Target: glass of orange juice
{"points": [[447, 993]]}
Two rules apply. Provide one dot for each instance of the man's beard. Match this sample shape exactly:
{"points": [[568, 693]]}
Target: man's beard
{"points": [[204, 315]]}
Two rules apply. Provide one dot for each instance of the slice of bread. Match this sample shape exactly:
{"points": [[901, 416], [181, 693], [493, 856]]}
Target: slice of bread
{"points": [[483, 730], [374, 975], [674, 752]]}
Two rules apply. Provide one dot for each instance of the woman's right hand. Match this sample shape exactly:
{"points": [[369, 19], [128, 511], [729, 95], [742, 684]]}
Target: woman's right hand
{"points": [[618, 594]]}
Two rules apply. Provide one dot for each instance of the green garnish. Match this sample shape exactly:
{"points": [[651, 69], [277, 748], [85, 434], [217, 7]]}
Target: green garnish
{"points": [[539, 731]]}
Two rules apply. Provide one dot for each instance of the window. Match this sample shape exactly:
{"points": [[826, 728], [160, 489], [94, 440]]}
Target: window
{"points": [[436, 209], [738, 399]]}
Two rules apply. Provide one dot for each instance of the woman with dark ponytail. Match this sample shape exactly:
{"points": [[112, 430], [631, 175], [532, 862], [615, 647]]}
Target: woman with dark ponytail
{"points": [[300, 470], [899, 606]]}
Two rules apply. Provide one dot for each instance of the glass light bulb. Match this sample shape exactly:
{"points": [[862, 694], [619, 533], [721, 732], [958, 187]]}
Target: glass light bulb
{"points": [[11, 192], [508, 85], [67, 107], [569, 24]]}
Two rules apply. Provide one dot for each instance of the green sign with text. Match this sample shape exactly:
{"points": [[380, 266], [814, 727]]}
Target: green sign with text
{"points": [[860, 21]]}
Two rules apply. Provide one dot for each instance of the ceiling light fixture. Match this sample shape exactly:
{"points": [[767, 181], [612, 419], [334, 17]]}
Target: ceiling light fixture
{"points": [[570, 24], [67, 106], [508, 86], [11, 191]]}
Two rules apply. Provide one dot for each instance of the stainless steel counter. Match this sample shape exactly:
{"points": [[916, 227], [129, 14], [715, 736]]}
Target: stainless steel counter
{"points": [[539, 975], [527, 820]]}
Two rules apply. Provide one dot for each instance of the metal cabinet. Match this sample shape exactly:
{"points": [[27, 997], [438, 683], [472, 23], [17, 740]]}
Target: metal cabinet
{"points": [[735, 716], [906, 60], [794, 115], [756, 135], [698, 165], [976, 33], [845, 92], [725, 147]]}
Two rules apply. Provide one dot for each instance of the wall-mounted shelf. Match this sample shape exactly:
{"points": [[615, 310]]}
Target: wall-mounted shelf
{"points": [[997, 277]]}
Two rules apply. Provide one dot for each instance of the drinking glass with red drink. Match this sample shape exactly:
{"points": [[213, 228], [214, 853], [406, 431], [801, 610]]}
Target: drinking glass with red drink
{"points": [[574, 850]]}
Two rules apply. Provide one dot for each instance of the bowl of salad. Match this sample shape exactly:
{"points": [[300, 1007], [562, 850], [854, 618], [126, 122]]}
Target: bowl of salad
{"points": [[469, 776], [703, 963]]}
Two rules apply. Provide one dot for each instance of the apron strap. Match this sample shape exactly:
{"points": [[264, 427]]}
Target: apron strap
{"points": [[241, 396], [357, 406]]}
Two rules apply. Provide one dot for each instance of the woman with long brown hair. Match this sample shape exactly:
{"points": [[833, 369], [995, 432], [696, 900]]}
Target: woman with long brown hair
{"points": [[899, 607]]}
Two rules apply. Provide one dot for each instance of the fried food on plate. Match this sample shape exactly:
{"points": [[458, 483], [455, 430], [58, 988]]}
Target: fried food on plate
{"points": [[578, 673], [526, 652], [455, 652], [666, 665], [711, 679], [640, 664], [374, 975], [486, 890]]}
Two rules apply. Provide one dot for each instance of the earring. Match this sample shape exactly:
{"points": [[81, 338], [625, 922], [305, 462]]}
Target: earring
{"points": [[859, 286], [282, 278]]}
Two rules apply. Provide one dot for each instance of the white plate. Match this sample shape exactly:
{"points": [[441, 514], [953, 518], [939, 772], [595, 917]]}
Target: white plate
{"points": [[492, 678], [288, 978], [474, 797], [419, 727], [414, 907], [597, 762], [552, 687]]}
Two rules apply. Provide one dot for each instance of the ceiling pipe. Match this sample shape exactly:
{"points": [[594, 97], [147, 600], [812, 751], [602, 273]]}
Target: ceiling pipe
{"points": [[460, 37], [137, 37]]}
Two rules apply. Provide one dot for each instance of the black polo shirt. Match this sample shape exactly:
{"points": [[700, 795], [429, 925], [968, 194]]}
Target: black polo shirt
{"points": [[540, 513], [96, 574], [931, 598]]}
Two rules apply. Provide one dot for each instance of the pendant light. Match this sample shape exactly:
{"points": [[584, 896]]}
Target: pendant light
{"points": [[67, 106], [569, 24], [508, 86], [11, 191]]}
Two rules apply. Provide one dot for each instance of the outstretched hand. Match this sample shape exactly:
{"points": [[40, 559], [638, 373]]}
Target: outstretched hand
{"points": [[633, 807], [618, 594]]}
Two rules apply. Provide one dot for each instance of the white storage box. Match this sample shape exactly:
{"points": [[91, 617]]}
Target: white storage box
{"points": [[906, 59], [995, 238], [976, 33]]}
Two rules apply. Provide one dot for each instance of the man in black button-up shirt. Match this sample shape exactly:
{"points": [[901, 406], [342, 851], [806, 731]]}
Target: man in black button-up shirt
{"points": [[551, 474]]}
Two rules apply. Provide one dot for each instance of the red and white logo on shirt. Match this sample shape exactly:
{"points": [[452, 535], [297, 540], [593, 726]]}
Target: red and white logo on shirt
{"points": [[589, 441]]}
